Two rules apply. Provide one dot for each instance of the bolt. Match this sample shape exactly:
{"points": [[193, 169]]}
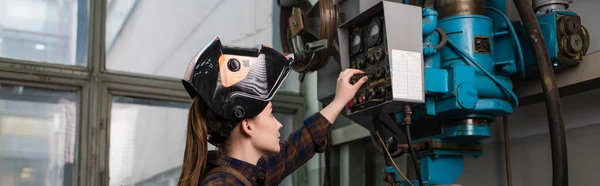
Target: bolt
{"points": [[294, 23]]}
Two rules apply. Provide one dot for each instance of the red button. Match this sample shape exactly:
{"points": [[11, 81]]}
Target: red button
{"points": [[349, 104]]}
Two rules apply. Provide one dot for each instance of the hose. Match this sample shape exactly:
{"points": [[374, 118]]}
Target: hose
{"points": [[515, 38], [473, 62], [443, 39], [558, 142]]}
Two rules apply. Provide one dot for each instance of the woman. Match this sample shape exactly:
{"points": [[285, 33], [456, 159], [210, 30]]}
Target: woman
{"points": [[231, 90]]}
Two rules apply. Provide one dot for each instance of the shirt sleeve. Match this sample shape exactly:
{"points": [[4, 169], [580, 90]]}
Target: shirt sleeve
{"points": [[300, 147]]}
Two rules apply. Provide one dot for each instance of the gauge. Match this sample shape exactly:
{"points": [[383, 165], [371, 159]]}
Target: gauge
{"points": [[374, 30], [356, 46], [374, 33]]}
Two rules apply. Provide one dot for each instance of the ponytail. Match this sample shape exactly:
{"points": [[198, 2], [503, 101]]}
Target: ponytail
{"points": [[196, 145]]}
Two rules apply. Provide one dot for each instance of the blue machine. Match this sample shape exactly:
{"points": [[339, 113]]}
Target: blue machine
{"points": [[467, 84], [471, 52]]}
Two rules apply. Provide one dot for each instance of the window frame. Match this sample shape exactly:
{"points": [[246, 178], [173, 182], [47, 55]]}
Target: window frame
{"points": [[95, 86]]}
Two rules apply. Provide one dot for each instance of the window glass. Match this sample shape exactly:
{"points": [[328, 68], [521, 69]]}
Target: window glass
{"points": [[140, 40], [37, 136], [44, 31], [147, 141]]}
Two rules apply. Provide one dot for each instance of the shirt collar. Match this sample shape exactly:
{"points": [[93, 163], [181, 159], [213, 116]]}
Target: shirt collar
{"points": [[254, 173]]}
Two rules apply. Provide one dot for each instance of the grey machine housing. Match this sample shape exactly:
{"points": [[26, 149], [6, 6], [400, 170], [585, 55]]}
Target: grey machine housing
{"points": [[403, 33]]}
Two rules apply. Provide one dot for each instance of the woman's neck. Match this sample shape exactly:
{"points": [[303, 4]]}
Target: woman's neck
{"points": [[244, 152]]}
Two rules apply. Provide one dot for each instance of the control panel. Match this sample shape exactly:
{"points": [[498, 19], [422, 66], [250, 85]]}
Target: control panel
{"points": [[368, 52], [390, 54]]}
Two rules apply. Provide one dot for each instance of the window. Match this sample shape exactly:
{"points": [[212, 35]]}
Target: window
{"points": [[37, 136], [147, 141], [44, 31], [141, 40]]}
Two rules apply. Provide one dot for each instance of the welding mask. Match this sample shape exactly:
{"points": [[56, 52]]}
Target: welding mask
{"points": [[236, 83]]}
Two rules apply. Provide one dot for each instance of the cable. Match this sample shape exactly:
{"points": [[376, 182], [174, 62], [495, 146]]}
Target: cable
{"points": [[413, 157], [507, 150], [515, 38], [392, 160], [443, 38], [473, 62], [395, 154], [407, 122]]}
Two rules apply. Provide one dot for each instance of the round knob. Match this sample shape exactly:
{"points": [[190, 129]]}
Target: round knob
{"points": [[370, 58], [379, 55], [379, 72], [233, 65]]}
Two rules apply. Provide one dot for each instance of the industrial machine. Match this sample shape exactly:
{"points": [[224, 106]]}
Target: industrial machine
{"points": [[567, 40], [442, 71]]}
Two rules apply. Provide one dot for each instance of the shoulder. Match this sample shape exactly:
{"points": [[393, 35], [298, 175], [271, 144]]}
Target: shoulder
{"points": [[219, 179]]}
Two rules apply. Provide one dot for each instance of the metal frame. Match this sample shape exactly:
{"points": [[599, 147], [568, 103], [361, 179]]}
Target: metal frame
{"points": [[578, 79], [95, 86]]}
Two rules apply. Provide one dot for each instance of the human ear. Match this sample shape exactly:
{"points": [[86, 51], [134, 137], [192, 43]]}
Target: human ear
{"points": [[247, 127]]}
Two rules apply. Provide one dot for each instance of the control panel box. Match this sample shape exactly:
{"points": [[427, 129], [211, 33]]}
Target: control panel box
{"points": [[384, 41]]}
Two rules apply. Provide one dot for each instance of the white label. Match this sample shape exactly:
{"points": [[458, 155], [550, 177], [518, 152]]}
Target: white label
{"points": [[407, 76]]}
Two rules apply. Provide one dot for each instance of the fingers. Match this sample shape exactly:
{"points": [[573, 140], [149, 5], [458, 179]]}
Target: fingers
{"points": [[348, 73], [360, 82]]}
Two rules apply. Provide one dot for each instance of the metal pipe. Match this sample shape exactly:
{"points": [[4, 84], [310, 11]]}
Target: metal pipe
{"points": [[558, 142], [507, 151]]}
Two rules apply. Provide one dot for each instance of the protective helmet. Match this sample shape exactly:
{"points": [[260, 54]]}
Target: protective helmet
{"points": [[236, 83]]}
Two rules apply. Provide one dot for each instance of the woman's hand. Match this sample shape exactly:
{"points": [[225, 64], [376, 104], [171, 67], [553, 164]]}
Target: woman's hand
{"points": [[344, 92]]}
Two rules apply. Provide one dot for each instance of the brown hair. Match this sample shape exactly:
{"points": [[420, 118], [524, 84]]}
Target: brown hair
{"points": [[196, 145]]}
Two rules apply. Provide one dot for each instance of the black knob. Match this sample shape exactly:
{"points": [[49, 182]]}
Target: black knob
{"points": [[379, 55], [370, 58], [379, 72], [360, 64], [233, 65]]}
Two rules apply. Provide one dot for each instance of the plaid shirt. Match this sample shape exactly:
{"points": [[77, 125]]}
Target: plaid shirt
{"points": [[300, 147]]}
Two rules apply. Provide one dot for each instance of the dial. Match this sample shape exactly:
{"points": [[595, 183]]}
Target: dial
{"points": [[374, 30], [374, 33], [356, 44]]}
